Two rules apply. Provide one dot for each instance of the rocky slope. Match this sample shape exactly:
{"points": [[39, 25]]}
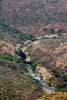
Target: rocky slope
{"points": [[59, 96], [15, 83], [51, 56]]}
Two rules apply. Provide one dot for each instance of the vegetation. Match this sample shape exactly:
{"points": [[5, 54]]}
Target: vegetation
{"points": [[19, 87], [65, 77], [1, 36], [49, 50], [56, 96], [56, 73], [14, 82], [34, 67], [7, 57], [53, 42], [15, 34]]}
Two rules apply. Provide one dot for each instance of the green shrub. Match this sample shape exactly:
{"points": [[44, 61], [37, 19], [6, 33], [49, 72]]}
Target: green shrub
{"points": [[34, 67], [30, 37], [65, 77], [1, 36], [56, 73], [7, 57], [61, 87]]}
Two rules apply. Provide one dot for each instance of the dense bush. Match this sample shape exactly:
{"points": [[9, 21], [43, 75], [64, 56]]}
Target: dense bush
{"points": [[56, 73], [34, 67], [1, 36], [15, 33], [6, 57], [65, 77]]}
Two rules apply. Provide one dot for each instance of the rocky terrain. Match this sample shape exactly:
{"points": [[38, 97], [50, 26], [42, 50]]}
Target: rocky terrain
{"points": [[15, 83], [59, 96], [33, 50], [52, 62], [48, 56], [49, 59]]}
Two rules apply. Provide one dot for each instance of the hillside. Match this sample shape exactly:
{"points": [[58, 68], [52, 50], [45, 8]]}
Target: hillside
{"points": [[48, 60], [33, 49], [26, 12], [30, 16], [14, 35], [51, 57], [15, 83]]}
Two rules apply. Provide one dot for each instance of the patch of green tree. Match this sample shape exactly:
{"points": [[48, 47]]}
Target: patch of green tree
{"points": [[14, 33], [56, 73], [1, 36], [7, 57], [61, 87], [34, 67], [65, 77]]}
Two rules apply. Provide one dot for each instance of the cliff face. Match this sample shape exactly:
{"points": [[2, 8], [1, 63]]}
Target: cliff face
{"points": [[25, 12]]}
